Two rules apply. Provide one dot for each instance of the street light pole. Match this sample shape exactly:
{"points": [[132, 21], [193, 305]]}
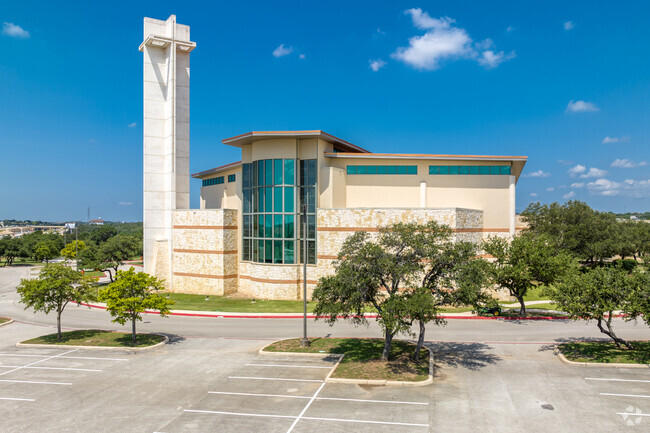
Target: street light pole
{"points": [[304, 341]]}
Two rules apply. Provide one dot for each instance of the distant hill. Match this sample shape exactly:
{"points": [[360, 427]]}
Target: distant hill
{"points": [[633, 215]]}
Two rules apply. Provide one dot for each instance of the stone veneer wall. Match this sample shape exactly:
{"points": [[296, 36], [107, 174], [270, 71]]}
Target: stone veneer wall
{"points": [[268, 281], [205, 251]]}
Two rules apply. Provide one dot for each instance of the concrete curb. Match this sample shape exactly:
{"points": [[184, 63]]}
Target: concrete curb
{"points": [[8, 322], [118, 349], [375, 382], [563, 358]]}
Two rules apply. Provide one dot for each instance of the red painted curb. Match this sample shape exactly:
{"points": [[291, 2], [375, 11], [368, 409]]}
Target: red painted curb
{"points": [[226, 315]]}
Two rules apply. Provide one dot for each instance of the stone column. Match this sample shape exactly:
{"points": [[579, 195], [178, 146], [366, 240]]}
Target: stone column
{"points": [[423, 194], [166, 123]]}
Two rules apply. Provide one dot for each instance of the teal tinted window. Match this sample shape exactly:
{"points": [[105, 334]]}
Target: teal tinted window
{"points": [[277, 171], [268, 226], [260, 227], [352, 169], [362, 169], [289, 177], [434, 169], [260, 173], [371, 169], [391, 169], [288, 199], [484, 169], [268, 199], [444, 169], [288, 252], [463, 169], [494, 170], [411, 169], [453, 169], [473, 169], [277, 226], [268, 251], [288, 226], [505, 169], [277, 251], [268, 172], [231, 178], [401, 169], [277, 199], [382, 169]]}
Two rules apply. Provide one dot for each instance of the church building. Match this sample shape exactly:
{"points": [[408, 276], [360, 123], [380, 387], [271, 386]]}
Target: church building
{"points": [[289, 190]]}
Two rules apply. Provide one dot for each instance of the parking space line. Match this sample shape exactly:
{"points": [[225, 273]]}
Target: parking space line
{"points": [[39, 361], [35, 382], [407, 424], [617, 380], [276, 378], [625, 395], [317, 398], [287, 366], [216, 412], [305, 408], [632, 414], [48, 368], [17, 399], [23, 355]]}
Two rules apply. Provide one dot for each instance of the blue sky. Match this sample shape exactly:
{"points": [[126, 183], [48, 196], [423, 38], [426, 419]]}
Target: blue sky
{"points": [[565, 83]]}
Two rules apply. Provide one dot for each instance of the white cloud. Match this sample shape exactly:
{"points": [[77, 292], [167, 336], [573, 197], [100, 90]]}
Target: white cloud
{"points": [[564, 162], [125, 203], [132, 125], [594, 172], [14, 31], [281, 51], [573, 171], [577, 185], [581, 106], [561, 187], [301, 57], [510, 29], [637, 188], [533, 194], [621, 139], [568, 25], [604, 187], [538, 173], [489, 59], [627, 163], [444, 41], [569, 195], [376, 65], [550, 189]]}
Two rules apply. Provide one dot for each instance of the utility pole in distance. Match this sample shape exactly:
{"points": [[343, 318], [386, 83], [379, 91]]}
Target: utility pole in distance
{"points": [[304, 341]]}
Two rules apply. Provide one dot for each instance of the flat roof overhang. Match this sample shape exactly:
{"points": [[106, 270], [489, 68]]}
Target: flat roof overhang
{"points": [[250, 137], [206, 173]]}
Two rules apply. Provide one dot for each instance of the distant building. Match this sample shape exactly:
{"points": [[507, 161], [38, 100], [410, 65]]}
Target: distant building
{"points": [[247, 237], [97, 222]]}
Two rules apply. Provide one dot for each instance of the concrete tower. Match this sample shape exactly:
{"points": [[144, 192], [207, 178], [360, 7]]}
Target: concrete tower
{"points": [[166, 48]]}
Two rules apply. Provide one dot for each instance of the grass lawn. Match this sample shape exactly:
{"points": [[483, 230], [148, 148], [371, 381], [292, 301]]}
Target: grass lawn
{"points": [[362, 358], [236, 305], [549, 306], [535, 294], [606, 352], [99, 274], [456, 309], [21, 262], [95, 337], [4, 319], [514, 312]]}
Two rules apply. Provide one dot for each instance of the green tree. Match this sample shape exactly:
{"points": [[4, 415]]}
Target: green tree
{"points": [[574, 227], [101, 234], [131, 294], [45, 251], [70, 251], [11, 248], [56, 286], [109, 256], [598, 293], [525, 262]]}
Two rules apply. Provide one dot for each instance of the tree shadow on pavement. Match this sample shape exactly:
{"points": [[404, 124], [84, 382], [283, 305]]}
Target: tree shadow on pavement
{"points": [[173, 338], [562, 340], [472, 356]]}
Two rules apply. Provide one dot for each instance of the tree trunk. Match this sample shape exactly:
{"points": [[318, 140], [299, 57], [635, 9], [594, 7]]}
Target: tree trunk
{"points": [[58, 326], [133, 331], [418, 346], [110, 274], [522, 310], [610, 333], [387, 343]]}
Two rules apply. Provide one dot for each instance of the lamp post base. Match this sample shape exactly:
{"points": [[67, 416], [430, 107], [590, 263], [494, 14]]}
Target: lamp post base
{"points": [[304, 342]]}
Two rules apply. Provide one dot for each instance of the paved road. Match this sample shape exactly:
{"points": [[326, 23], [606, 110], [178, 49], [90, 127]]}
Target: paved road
{"points": [[492, 376]]}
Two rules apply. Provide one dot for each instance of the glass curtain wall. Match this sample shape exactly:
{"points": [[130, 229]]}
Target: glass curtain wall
{"points": [[271, 210]]}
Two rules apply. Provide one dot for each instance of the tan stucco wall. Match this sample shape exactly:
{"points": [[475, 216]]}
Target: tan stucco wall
{"points": [[205, 251], [225, 195]]}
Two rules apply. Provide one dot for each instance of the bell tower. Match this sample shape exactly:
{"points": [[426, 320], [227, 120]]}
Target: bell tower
{"points": [[166, 142]]}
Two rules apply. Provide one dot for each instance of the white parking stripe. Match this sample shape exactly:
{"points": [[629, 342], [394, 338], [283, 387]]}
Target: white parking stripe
{"points": [[408, 424], [276, 378], [35, 382], [48, 368], [238, 414], [632, 414], [305, 408], [39, 361], [317, 398], [617, 380], [625, 395], [62, 357], [216, 412], [17, 399], [287, 366]]}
